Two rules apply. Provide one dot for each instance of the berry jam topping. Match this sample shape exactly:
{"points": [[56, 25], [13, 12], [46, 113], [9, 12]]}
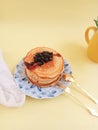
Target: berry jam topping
{"points": [[29, 64], [40, 59], [43, 57]]}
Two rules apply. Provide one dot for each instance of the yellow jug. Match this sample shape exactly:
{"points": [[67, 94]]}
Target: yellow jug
{"points": [[92, 42]]}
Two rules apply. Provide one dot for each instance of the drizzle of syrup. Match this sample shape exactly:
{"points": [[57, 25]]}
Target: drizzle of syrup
{"points": [[57, 54], [31, 65]]}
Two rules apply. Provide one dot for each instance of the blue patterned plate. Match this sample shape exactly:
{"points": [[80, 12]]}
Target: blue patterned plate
{"points": [[34, 91]]}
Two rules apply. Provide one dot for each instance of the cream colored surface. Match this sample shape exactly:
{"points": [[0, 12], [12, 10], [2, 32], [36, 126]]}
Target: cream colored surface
{"points": [[59, 24]]}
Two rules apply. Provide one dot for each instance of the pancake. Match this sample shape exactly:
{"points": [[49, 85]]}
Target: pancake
{"points": [[44, 66]]}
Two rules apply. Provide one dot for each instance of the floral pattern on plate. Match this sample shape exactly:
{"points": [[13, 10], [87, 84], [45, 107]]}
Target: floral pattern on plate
{"points": [[34, 91]]}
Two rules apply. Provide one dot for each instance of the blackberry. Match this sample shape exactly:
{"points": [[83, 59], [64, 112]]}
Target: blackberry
{"points": [[45, 53], [46, 59], [40, 63], [38, 54], [43, 57], [35, 59], [51, 58]]}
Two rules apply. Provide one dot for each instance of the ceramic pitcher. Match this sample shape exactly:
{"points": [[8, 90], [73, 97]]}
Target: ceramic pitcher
{"points": [[92, 50]]}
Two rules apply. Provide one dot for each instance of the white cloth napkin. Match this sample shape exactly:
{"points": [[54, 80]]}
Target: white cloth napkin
{"points": [[10, 95]]}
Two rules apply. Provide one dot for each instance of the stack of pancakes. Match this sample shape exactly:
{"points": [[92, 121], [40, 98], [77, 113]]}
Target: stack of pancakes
{"points": [[46, 72]]}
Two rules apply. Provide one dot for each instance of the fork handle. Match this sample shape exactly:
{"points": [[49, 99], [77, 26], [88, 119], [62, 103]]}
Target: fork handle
{"points": [[70, 78], [87, 94], [89, 109]]}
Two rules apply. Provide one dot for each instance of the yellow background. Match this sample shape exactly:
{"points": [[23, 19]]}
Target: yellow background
{"points": [[59, 24]]}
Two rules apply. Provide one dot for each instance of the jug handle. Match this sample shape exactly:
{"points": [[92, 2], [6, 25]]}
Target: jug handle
{"points": [[87, 38]]}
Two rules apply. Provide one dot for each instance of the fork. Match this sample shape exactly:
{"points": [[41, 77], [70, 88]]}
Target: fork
{"points": [[89, 109]]}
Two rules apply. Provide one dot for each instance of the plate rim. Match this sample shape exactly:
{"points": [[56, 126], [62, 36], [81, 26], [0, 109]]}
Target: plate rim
{"points": [[66, 64]]}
